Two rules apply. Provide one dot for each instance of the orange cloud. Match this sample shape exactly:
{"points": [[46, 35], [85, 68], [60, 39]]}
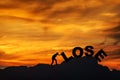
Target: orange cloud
{"points": [[31, 26]]}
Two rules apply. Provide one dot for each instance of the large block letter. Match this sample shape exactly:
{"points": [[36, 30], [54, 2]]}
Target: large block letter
{"points": [[74, 52], [89, 49], [65, 57], [100, 54]]}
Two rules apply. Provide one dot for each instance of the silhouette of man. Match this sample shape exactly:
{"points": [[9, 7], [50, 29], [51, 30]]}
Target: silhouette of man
{"points": [[54, 58]]}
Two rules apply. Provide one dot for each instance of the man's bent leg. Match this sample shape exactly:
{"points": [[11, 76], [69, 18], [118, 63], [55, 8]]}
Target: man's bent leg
{"points": [[52, 62], [56, 61]]}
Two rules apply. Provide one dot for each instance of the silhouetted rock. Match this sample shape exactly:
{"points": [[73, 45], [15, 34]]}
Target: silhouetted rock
{"points": [[86, 68], [81, 68]]}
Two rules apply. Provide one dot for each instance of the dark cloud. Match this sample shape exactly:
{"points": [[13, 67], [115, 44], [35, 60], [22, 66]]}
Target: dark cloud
{"points": [[103, 42], [25, 32], [115, 54], [17, 18], [116, 42], [5, 56], [114, 33], [44, 36], [8, 6], [34, 6], [49, 2], [62, 13], [115, 36], [43, 5], [115, 29], [116, 9], [36, 36], [65, 11], [80, 13]]}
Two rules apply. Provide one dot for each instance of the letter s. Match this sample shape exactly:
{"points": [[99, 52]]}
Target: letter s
{"points": [[89, 49]]}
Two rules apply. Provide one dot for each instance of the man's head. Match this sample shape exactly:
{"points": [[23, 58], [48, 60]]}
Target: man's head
{"points": [[57, 53]]}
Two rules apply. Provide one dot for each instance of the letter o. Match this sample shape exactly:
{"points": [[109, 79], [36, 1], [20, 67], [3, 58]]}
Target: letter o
{"points": [[74, 52]]}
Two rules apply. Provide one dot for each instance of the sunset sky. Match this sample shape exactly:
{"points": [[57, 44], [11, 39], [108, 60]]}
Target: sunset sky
{"points": [[31, 31]]}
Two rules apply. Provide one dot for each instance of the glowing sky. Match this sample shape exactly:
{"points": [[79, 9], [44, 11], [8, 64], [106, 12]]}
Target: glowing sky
{"points": [[31, 31]]}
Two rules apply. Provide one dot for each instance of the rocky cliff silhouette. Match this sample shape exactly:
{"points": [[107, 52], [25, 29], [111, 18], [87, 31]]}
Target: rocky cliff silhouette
{"points": [[86, 68]]}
